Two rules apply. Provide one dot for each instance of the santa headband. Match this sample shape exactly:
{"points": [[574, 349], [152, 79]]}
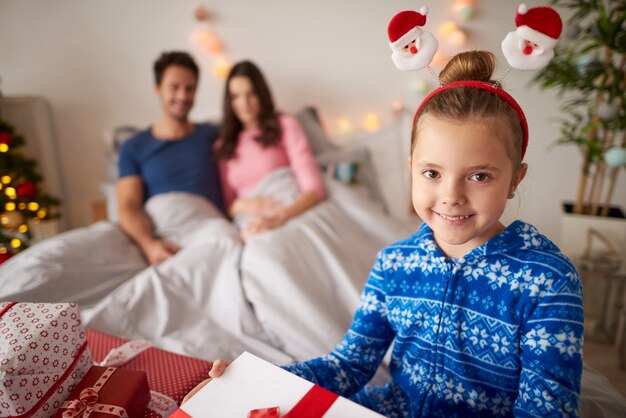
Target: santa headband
{"points": [[482, 85], [529, 47]]}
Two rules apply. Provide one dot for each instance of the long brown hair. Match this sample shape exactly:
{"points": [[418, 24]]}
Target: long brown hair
{"points": [[465, 103], [231, 126]]}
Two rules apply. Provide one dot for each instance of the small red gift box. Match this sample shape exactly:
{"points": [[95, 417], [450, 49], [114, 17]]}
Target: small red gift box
{"points": [[43, 355], [107, 392], [168, 373]]}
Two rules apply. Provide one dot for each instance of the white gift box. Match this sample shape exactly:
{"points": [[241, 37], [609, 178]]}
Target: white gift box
{"points": [[252, 383], [43, 355]]}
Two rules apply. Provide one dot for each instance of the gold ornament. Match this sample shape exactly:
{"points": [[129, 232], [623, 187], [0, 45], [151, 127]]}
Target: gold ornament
{"points": [[11, 220]]}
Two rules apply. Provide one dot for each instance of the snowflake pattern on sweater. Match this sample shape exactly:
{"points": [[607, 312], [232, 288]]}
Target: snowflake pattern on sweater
{"points": [[496, 333]]}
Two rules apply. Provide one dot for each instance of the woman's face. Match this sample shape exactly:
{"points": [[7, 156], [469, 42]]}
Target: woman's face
{"points": [[244, 101]]}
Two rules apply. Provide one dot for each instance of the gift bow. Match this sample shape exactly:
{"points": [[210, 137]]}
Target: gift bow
{"points": [[83, 405], [86, 402]]}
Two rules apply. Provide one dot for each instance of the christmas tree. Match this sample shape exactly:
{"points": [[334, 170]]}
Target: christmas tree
{"points": [[22, 201], [589, 70]]}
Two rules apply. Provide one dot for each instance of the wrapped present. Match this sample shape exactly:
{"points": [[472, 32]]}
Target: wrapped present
{"points": [[107, 392], [43, 354], [170, 376], [253, 387]]}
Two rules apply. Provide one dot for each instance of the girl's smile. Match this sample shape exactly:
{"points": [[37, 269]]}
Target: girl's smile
{"points": [[462, 177]]}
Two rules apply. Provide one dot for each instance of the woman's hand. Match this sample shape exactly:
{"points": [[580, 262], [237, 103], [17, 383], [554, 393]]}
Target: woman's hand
{"points": [[216, 371], [256, 207], [264, 223]]}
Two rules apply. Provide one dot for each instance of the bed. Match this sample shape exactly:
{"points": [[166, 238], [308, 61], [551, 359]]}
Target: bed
{"points": [[286, 295]]}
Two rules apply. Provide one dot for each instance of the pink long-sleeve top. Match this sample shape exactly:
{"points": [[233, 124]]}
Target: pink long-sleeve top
{"points": [[252, 162]]}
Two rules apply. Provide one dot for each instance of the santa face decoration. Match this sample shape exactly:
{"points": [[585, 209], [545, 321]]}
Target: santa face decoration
{"points": [[531, 45], [412, 47]]}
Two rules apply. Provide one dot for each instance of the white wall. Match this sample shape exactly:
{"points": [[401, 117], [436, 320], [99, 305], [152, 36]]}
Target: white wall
{"points": [[92, 60]]}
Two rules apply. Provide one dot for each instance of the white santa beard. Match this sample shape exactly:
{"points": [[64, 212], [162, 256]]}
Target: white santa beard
{"points": [[426, 45], [512, 48]]}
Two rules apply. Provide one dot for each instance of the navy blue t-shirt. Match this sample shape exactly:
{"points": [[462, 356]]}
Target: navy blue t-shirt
{"points": [[184, 165]]}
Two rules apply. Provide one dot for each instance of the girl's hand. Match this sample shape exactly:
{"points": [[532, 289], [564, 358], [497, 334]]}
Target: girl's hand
{"points": [[216, 371]]}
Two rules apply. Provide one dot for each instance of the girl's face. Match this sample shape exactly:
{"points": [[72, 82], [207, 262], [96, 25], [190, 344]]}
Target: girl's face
{"points": [[462, 178], [244, 101]]}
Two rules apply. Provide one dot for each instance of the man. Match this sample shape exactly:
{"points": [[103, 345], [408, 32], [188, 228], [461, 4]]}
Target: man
{"points": [[172, 155]]}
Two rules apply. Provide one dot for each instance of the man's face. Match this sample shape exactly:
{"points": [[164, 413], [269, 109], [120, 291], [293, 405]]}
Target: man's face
{"points": [[177, 91]]}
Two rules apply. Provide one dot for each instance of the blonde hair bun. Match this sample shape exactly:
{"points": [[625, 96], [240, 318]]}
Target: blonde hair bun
{"points": [[470, 65]]}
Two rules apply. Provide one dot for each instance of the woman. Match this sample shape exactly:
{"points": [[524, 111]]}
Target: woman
{"points": [[255, 142]]}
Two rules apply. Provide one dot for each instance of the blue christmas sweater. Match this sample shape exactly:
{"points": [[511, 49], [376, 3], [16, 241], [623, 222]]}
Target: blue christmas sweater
{"points": [[495, 333]]}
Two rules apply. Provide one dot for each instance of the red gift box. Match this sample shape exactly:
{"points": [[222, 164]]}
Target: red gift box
{"points": [[43, 356], [168, 373], [107, 392]]}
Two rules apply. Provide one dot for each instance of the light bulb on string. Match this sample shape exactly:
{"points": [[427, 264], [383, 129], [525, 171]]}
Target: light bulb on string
{"points": [[23, 228], [221, 68], [10, 192], [5, 179], [344, 126], [4, 147], [447, 28], [463, 9], [208, 41], [15, 243], [457, 39], [371, 122], [41, 213], [9, 206], [33, 206]]}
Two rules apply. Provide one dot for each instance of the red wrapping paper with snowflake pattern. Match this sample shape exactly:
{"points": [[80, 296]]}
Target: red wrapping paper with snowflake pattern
{"points": [[43, 356]]}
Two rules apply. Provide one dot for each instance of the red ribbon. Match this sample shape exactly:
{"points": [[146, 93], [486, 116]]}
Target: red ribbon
{"points": [[314, 404]]}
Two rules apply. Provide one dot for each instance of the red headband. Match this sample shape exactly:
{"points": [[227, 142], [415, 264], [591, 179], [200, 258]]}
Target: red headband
{"points": [[483, 86]]}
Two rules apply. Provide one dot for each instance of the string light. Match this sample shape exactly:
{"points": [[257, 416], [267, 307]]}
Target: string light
{"points": [[23, 228], [10, 192], [41, 213], [3, 250], [33, 206], [22, 206], [447, 28], [221, 68], [15, 243], [344, 126], [4, 147], [464, 10], [457, 39], [371, 122], [9, 206], [5, 179]]}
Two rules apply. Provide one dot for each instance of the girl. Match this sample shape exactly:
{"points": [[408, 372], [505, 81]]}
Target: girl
{"points": [[255, 141], [487, 319]]}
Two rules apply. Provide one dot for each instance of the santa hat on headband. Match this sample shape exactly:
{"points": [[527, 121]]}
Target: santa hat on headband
{"points": [[540, 25], [405, 27]]}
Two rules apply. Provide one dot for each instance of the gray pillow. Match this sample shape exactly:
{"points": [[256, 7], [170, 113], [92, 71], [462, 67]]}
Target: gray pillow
{"points": [[314, 131]]}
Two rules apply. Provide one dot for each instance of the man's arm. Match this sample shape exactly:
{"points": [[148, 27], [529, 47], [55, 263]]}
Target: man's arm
{"points": [[136, 223]]}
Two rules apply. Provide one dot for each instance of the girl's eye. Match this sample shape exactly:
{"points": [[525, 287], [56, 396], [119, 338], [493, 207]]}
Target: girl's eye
{"points": [[480, 177], [430, 174]]}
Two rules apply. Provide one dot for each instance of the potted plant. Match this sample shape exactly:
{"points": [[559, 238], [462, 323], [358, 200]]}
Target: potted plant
{"points": [[589, 72]]}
